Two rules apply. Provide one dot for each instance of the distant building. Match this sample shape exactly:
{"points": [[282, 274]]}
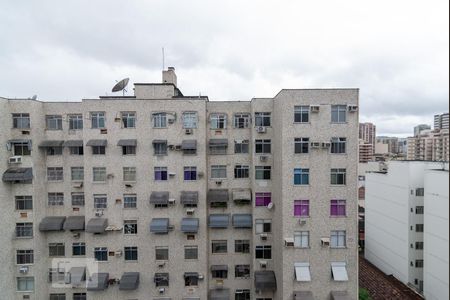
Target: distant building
{"points": [[367, 133], [365, 152], [419, 128], [429, 145], [441, 121], [391, 142], [403, 146]]}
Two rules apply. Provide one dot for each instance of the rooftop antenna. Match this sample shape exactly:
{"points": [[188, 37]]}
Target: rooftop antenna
{"points": [[163, 62], [120, 86]]}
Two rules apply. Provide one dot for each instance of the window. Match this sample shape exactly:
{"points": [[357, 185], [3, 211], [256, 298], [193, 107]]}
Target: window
{"points": [[419, 227], [218, 171], [301, 208], [242, 246], [99, 174], [219, 246], [160, 148], [24, 229], [53, 122], [57, 296], [263, 199], [129, 201], [77, 199], [190, 252], [79, 249], [55, 199], [338, 208], [338, 145], [56, 275], [262, 146], [97, 120], [160, 120], [101, 253], [262, 172], [419, 192], [25, 284], [241, 120], [190, 173], [338, 176], [21, 121], [79, 296], [129, 174], [218, 149], [21, 149], [301, 145], [218, 121], [241, 171], [98, 150], [338, 113], [262, 119], [242, 295], [50, 151], [128, 150], [130, 227], [301, 176], [128, 119], [76, 150], [131, 253], [161, 279], [56, 249], [241, 147], [337, 239], [219, 274], [190, 119], [160, 173], [301, 114], [263, 226], [77, 173], [419, 263], [242, 271], [24, 202], [301, 239], [55, 174], [100, 201], [419, 245], [190, 279], [76, 122], [24, 257], [263, 252], [162, 253]]}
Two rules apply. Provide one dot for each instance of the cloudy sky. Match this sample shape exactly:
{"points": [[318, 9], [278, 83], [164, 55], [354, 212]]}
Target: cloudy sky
{"points": [[396, 52]]}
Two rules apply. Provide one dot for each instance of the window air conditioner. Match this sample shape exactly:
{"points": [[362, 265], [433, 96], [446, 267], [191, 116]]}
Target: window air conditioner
{"points": [[15, 160], [315, 108], [302, 222], [315, 145], [178, 147], [76, 235], [170, 147], [263, 236], [326, 145], [103, 131], [263, 264], [162, 290], [78, 184], [325, 242], [118, 253], [261, 129], [263, 158], [219, 182], [23, 269], [352, 108], [160, 264], [170, 120], [171, 201], [172, 174], [190, 211], [200, 174], [110, 175], [189, 131], [289, 242], [99, 213]]}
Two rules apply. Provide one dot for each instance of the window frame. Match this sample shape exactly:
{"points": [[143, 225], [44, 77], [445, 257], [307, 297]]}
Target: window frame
{"points": [[299, 114], [98, 119], [74, 121], [338, 145], [338, 239], [53, 122], [159, 119], [301, 239], [23, 202], [128, 119], [21, 120], [263, 252], [219, 246], [241, 120], [301, 176], [218, 121], [265, 171], [339, 175], [55, 199], [301, 208], [190, 122], [263, 119], [336, 114]]}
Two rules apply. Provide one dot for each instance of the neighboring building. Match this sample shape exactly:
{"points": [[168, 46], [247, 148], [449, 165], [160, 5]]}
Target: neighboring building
{"points": [[441, 121], [429, 145], [367, 133], [394, 221], [403, 146], [381, 148], [365, 152], [419, 128], [391, 142], [177, 197]]}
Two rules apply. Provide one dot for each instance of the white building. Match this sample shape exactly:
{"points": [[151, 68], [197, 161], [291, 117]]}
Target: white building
{"points": [[394, 220], [178, 197]]}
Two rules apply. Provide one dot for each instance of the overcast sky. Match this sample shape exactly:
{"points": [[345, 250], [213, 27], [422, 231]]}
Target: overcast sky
{"points": [[396, 52]]}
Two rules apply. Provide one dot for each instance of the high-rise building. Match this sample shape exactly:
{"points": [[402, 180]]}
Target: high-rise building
{"points": [[419, 128], [429, 145], [441, 121], [164, 196], [365, 152], [367, 133]]}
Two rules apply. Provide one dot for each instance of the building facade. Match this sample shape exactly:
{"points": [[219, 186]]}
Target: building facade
{"points": [[419, 128], [429, 145], [441, 121], [166, 196], [365, 152]]}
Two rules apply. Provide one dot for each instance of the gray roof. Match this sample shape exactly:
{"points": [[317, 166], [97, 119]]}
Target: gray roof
{"points": [[51, 143], [159, 225], [265, 281], [74, 223], [189, 197], [98, 282], [189, 225], [17, 174], [129, 281], [97, 225], [94, 143], [73, 143], [219, 220], [53, 223], [127, 142], [242, 221]]}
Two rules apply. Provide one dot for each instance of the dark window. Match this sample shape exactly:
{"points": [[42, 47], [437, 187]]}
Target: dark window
{"points": [[338, 145], [190, 280], [242, 295], [131, 253], [21, 149], [98, 150], [219, 246], [338, 176], [24, 229], [338, 113], [262, 172], [219, 274], [78, 249], [241, 171], [263, 146], [76, 150], [301, 145], [301, 114], [161, 279], [21, 121], [162, 253], [56, 249], [128, 150], [242, 246], [262, 119], [75, 122], [101, 253], [242, 271], [241, 146], [25, 257], [24, 202], [190, 252], [419, 227], [263, 252]]}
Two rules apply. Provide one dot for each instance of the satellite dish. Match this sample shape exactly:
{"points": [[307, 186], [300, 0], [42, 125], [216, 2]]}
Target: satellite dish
{"points": [[34, 97], [121, 85]]}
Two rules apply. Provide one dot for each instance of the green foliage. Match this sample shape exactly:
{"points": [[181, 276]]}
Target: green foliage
{"points": [[364, 294]]}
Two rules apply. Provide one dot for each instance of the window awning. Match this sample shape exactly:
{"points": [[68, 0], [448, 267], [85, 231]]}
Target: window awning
{"points": [[129, 142], [96, 143], [217, 195], [189, 197], [98, 282], [189, 145], [339, 271], [17, 174], [159, 198], [219, 294], [161, 277], [219, 221], [18, 141], [159, 225], [77, 275], [339, 295], [97, 225], [242, 195], [303, 295], [189, 225], [219, 268], [74, 223], [51, 143], [73, 143], [159, 141], [242, 221], [302, 272], [265, 281], [52, 223], [218, 143], [190, 274], [191, 298], [129, 281]]}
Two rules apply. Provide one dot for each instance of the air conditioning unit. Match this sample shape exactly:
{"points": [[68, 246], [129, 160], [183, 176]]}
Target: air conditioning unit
{"points": [[325, 242], [326, 145], [201, 277], [261, 129], [99, 213], [315, 108], [302, 222], [270, 206], [171, 201], [170, 147], [128, 185], [263, 264], [190, 211], [110, 175], [77, 184], [172, 174], [170, 120], [76, 235], [177, 147], [162, 290], [160, 264], [263, 158], [103, 131], [219, 182], [23, 269], [15, 160], [289, 242], [117, 119], [200, 174], [189, 131], [25, 132], [315, 145], [118, 253], [263, 236], [352, 108]]}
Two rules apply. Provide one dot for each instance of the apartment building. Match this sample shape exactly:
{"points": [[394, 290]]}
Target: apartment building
{"points": [[441, 121], [429, 145], [367, 133], [421, 127], [164, 196], [395, 225], [365, 152]]}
